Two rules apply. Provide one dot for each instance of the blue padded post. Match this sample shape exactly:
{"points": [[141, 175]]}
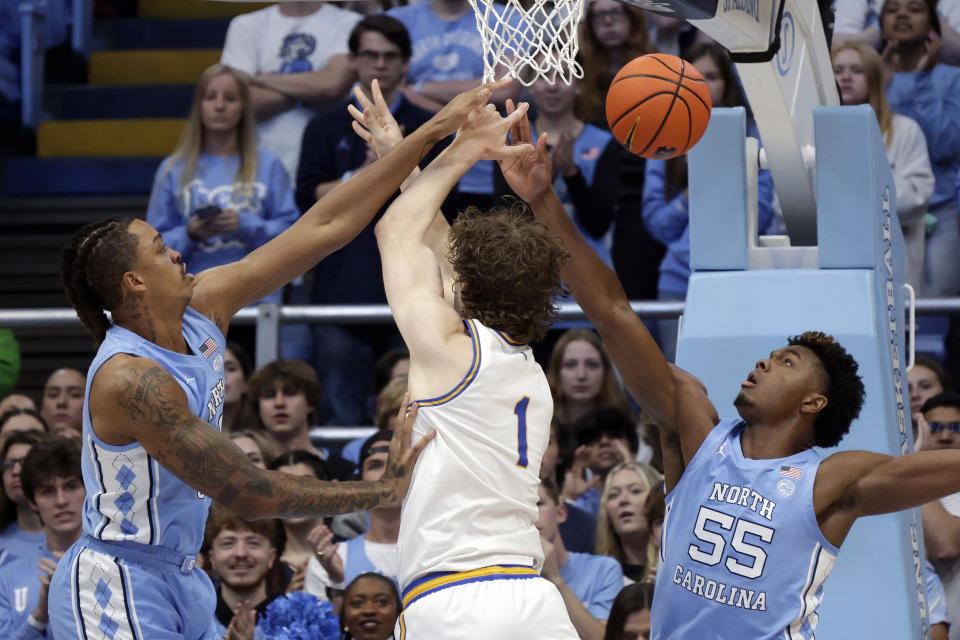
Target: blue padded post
{"points": [[718, 188], [734, 317]]}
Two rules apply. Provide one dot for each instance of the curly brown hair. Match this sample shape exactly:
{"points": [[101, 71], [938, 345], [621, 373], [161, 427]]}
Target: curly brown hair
{"points": [[508, 268]]}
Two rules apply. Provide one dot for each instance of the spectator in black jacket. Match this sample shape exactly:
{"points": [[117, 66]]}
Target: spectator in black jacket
{"points": [[380, 50]]}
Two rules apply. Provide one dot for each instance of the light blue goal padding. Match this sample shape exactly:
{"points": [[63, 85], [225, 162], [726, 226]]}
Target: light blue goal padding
{"points": [[735, 316]]}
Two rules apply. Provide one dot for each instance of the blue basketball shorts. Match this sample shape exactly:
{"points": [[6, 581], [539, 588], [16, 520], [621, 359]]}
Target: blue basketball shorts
{"points": [[130, 591]]}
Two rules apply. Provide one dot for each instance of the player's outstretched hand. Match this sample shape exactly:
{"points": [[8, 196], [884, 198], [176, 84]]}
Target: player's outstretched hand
{"points": [[402, 457], [529, 174], [375, 124], [452, 116], [484, 134]]}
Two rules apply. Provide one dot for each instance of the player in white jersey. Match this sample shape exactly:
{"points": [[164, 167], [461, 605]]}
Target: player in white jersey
{"points": [[469, 551], [719, 472], [152, 445]]}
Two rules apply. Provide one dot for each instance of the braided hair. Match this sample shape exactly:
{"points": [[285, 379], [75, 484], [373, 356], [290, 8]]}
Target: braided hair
{"points": [[91, 269]]}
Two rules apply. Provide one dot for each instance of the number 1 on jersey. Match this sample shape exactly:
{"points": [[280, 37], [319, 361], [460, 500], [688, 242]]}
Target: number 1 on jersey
{"points": [[521, 412]]}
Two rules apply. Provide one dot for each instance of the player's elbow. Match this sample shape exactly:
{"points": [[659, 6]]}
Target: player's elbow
{"points": [[617, 312], [945, 551]]}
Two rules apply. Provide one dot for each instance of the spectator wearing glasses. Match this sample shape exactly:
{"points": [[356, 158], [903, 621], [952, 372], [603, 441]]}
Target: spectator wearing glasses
{"points": [[53, 487], [20, 528], [332, 152], [938, 426]]}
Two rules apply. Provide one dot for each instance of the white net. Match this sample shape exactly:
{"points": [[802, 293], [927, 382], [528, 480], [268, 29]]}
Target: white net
{"points": [[536, 41]]}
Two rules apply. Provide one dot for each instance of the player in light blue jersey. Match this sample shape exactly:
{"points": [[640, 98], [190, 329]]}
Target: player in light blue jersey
{"points": [[754, 515], [152, 449]]}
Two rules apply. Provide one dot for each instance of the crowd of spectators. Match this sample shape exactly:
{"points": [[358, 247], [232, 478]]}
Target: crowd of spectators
{"points": [[268, 134], [601, 502], [348, 561]]}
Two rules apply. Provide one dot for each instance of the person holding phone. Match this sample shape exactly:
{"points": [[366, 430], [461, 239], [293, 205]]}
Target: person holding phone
{"points": [[218, 197]]}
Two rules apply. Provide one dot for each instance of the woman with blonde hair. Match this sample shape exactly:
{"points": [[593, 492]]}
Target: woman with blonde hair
{"points": [[859, 71], [582, 377], [622, 529], [218, 197]]}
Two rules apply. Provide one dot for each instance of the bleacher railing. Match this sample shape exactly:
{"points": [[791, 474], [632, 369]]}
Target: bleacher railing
{"points": [[269, 317]]}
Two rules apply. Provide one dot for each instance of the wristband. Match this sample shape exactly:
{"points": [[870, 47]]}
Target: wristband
{"points": [[39, 626]]}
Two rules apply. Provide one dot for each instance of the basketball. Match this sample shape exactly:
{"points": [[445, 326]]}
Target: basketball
{"points": [[658, 106]]}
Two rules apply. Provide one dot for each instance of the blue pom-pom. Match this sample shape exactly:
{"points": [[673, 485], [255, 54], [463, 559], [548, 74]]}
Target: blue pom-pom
{"points": [[300, 616]]}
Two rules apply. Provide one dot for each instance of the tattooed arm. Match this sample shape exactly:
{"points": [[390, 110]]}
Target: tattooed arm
{"points": [[135, 399]]}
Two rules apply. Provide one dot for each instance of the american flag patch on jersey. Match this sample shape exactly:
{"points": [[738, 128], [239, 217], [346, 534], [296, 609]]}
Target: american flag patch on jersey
{"points": [[208, 347], [591, 153], [791, 472]]}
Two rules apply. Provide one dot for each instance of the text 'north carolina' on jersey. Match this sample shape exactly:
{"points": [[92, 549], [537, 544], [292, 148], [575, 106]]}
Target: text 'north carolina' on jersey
{"points": [[473, 495], [130, 496], [742, 553]]}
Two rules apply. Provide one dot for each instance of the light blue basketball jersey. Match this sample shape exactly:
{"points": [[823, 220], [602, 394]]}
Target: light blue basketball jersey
{"points": [[130, 496], [742, 555]]}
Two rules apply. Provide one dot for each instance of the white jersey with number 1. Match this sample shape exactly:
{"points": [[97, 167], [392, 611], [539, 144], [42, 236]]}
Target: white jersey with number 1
{"points": [[473, 497]]}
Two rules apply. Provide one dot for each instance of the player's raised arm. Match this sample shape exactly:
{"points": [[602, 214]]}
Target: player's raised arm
{"points": [[851, 484], [331, 223], [598, 291], [411, 275], [134, 398], [379, 129]]}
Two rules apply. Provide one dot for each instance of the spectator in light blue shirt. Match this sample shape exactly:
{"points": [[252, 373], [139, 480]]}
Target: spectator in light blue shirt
{"points": [[217, 198], [20, 527], [588, 583], [53, 485]]}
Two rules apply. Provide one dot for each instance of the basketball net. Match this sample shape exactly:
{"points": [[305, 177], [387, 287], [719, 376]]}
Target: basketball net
{"points": [[529, 43]]}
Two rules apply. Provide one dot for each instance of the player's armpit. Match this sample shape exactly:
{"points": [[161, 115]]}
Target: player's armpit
{"points": [[143, 397], [694, 414]]}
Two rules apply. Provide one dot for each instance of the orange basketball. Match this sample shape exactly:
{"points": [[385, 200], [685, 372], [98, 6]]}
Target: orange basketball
{"points": [[658, 106]]}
